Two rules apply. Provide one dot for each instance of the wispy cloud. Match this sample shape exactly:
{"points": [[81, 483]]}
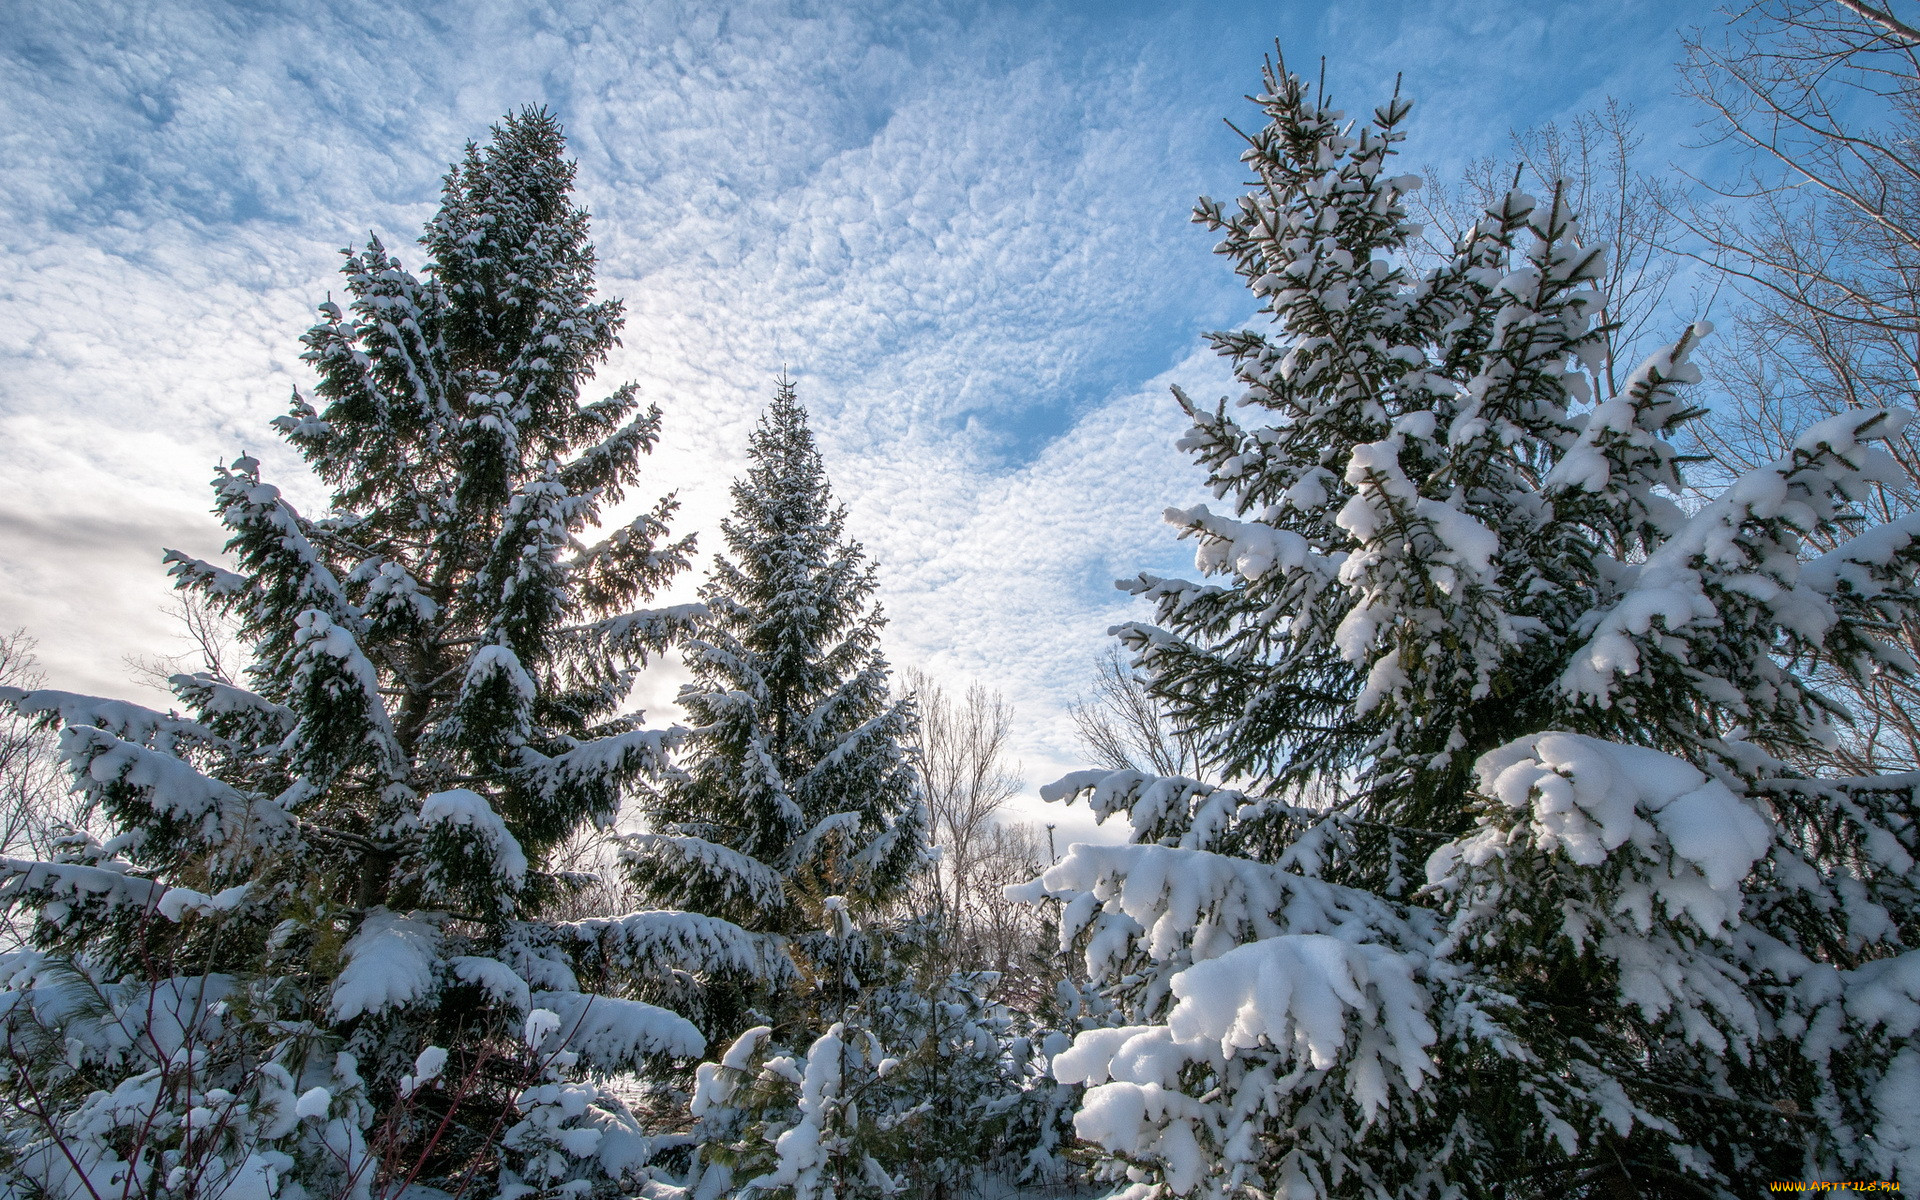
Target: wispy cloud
{"points": [[961, 227]]}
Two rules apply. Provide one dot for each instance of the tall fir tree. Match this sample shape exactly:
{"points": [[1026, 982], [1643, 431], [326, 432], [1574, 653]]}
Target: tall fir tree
{"points": [[796, 783], [1528, 898], [796, 813], [310, 960]]}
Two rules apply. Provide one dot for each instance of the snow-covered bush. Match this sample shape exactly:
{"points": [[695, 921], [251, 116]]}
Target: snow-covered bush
{"points": [[1526, 898], [800, 1132], [957, 1078], [800, 1125], [906, 1086], [311, 958], [1039, 1136]]}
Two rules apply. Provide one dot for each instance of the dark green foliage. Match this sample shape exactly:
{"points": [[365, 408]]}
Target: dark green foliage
{"points": [[795, 782]]}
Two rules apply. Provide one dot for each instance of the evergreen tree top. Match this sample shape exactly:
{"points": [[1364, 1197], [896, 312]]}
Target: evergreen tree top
{"points": [[790, 566], [785, 489], [797, 768]]}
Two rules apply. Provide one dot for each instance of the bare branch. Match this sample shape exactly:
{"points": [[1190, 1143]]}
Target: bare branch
{"points": [[1122, 726], [1820, 236], [1880, 17]]}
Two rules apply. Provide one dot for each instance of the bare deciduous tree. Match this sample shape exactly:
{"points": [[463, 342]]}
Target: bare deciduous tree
{"points": [[1820, 235], [1595, 160], [964, 770], [31, 796], [211, 641], [1822, 99], [1122, 726], [963, 749], [1013, 938], [35, 807]]}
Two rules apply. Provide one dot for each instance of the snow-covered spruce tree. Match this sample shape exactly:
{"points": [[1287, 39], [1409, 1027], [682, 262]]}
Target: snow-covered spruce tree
{"points": [[311, 960], [795, 784], [796, 813], [1455, 620]]}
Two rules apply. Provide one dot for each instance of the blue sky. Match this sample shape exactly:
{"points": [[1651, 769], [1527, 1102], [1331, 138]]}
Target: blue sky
{"points": [[961, 227]]}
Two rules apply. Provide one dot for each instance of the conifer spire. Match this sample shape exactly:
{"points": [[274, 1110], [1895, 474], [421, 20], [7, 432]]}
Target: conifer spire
{"points": [[796, 781]]}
